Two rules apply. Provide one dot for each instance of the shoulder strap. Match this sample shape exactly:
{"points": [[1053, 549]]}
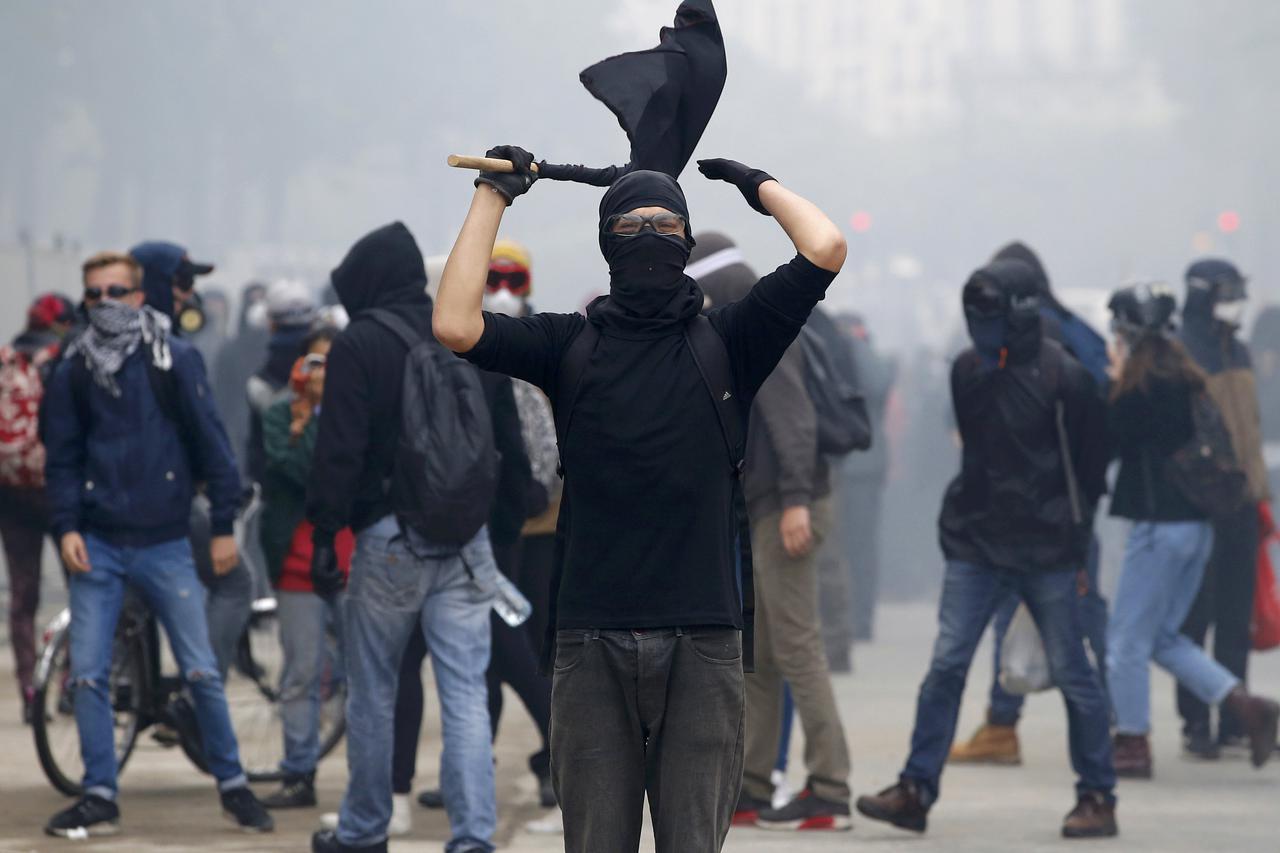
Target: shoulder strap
{"points": [[164, 387], [398, 325], [573, 364], [712, 359]]}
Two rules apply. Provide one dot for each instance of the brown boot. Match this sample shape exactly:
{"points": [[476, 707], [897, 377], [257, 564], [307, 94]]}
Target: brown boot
{"points": [[1261, 718], [1132, 756], [898, 804], [1093, 817], [990, 744]]}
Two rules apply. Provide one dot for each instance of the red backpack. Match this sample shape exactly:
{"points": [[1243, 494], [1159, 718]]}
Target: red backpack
{"points": [[21, 388]]}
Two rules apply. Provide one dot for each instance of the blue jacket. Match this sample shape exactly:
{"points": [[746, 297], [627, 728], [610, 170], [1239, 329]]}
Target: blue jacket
{"points": [[118, 468]]}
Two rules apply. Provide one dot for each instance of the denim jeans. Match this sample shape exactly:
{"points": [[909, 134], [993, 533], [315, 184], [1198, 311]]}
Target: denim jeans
{"points": [[647, 712], [1163, 566], [1005, 708], [303, 617], [165, 576], [398, 582], [970, 596]]}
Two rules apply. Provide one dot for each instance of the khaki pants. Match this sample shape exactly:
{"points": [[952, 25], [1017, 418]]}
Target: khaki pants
{"points": [[789, 648]]}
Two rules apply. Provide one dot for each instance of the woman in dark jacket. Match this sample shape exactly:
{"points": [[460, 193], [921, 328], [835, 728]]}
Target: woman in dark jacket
{"points": [[1155, 384]]}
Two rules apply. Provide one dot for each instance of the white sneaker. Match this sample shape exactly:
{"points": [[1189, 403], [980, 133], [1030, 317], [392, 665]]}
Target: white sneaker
{"points": [[401, 817], [551, 824]]}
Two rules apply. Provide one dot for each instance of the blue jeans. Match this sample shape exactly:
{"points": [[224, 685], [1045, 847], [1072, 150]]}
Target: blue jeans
{"points": [[1163, 566], [970, 596], [303, 618], [165, 576], [397, 583], [1005, 708]]}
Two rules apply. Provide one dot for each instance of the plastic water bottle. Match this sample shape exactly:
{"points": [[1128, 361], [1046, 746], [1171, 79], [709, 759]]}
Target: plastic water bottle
{"points": [[510, 604]]}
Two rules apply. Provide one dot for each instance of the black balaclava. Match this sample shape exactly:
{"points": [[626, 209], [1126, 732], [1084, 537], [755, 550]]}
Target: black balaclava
{"points": [[648, 290], [1002, 310]]}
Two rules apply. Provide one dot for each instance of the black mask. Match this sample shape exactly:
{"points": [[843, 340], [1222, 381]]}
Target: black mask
{"points": [[645, 271]]}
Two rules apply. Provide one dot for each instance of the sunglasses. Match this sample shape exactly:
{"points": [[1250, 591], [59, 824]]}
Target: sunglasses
{"points": [[631, 224], [113, 291], [517, 281]]}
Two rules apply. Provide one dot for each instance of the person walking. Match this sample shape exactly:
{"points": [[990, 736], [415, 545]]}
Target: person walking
{"points": [[130, 427], [1017, 519], [647, 685], [1151, 418], [1211, 318]]}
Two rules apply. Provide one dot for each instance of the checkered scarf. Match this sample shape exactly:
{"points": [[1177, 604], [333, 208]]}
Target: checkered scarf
{"points": [[115, 331]]}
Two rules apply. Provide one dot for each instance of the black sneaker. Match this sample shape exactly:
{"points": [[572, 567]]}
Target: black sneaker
{"points": [[431, 799], [748, 809], [546, 793], [807, 811], [1198, 744], [326, 841], [295, 792], [89, 817], [240, 805]]}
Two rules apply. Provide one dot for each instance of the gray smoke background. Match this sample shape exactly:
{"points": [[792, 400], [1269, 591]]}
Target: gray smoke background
{"points": [[1112, 135]]}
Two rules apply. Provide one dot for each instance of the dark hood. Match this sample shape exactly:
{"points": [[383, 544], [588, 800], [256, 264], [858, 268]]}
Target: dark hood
{"points": [[160, 261], [384, 267], [1020, 289], [717, 265], [643, 188], [1019, 251], [1211, 342]]}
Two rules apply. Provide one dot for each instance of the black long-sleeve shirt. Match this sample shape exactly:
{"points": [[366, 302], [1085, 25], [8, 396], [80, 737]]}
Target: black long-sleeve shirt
{"points": [[651, 528], [1146, 428]]}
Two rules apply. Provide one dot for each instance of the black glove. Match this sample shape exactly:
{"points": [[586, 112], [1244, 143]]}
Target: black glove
{"points": [[510, 184], [745, 178], [326, 577]]}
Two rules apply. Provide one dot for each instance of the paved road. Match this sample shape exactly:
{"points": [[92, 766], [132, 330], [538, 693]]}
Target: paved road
{"points": [[1188, 807]]}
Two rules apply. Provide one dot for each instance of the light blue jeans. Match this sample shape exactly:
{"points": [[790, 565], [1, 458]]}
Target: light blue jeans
{"points": [[165, 576], [303, 617], [1163, 566], [397, 583]]}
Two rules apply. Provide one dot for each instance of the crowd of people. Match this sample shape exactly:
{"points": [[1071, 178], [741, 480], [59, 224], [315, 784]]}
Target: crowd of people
{"points": [[648, 519]]}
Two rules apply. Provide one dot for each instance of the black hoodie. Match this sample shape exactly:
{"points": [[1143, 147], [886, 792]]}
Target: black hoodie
{"points": [[360, 411], [1009, 507]]}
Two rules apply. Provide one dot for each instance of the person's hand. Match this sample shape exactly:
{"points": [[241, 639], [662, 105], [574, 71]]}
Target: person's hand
{"points": [[222, 551], [745, 178], [796, 530], [326, 577], [510, 184], [74, 553]]}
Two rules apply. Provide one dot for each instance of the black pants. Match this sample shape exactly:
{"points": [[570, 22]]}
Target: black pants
{"points": [[655, 712], [1226, 603]]}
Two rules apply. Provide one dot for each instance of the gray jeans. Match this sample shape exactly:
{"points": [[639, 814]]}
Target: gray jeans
{"points": [[655, 712]]}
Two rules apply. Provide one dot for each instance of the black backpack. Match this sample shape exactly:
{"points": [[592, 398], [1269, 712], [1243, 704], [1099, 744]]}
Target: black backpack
{"points": [[445, 473], [712, 360], [844, 425], [1205, 469]]}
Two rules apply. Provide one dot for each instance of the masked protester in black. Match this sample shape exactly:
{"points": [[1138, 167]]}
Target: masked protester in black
{"points": [[648, 675]]}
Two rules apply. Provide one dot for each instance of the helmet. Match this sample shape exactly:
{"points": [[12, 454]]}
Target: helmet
{"points": [[1142, 309]]}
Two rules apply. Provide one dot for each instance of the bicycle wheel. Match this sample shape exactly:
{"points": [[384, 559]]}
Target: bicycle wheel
{"points": [[54, 723], [254, 696]]}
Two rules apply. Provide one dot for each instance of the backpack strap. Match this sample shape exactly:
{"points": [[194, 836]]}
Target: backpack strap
{"points": [[712, 359], [573, 364], [396, 324]]}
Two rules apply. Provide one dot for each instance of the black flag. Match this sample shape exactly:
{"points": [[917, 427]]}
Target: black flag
{"points": [[663, 97]]}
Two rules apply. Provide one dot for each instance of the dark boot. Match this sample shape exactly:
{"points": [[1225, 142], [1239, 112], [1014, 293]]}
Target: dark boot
{"points": [[326, 841], [1198, 743], [1260, 717], [899, 805], [295, 792], [1132, 756], [1093, 817]]}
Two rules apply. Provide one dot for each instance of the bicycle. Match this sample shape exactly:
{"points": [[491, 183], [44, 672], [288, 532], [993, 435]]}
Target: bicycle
{"points": [[144, 696]]}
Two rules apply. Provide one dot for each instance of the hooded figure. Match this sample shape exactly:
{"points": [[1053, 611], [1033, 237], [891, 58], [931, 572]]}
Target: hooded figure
{"points": [[1010, 507], [164, 267]]}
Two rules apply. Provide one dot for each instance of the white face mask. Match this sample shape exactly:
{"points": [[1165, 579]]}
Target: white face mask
{"points": [[503, 301], [1230, 313]]}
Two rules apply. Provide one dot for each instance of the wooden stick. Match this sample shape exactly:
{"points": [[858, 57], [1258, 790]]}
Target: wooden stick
{"points": [[484, 164]]}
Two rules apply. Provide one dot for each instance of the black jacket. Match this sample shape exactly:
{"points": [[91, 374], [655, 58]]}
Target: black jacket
{"points": [[268, 386], [1146, 428], [360, 411], [1009, 507]]}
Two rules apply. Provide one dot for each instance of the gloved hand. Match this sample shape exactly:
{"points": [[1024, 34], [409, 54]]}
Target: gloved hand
{"points": [[510, 184], [326, 577], [745, 178]]}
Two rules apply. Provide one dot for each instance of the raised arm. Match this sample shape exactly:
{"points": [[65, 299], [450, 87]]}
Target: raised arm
{"points": [[811, 231], [456, 321]]}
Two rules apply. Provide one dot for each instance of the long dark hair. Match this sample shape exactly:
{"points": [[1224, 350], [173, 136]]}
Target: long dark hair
{"points": [[1157, 356]]}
